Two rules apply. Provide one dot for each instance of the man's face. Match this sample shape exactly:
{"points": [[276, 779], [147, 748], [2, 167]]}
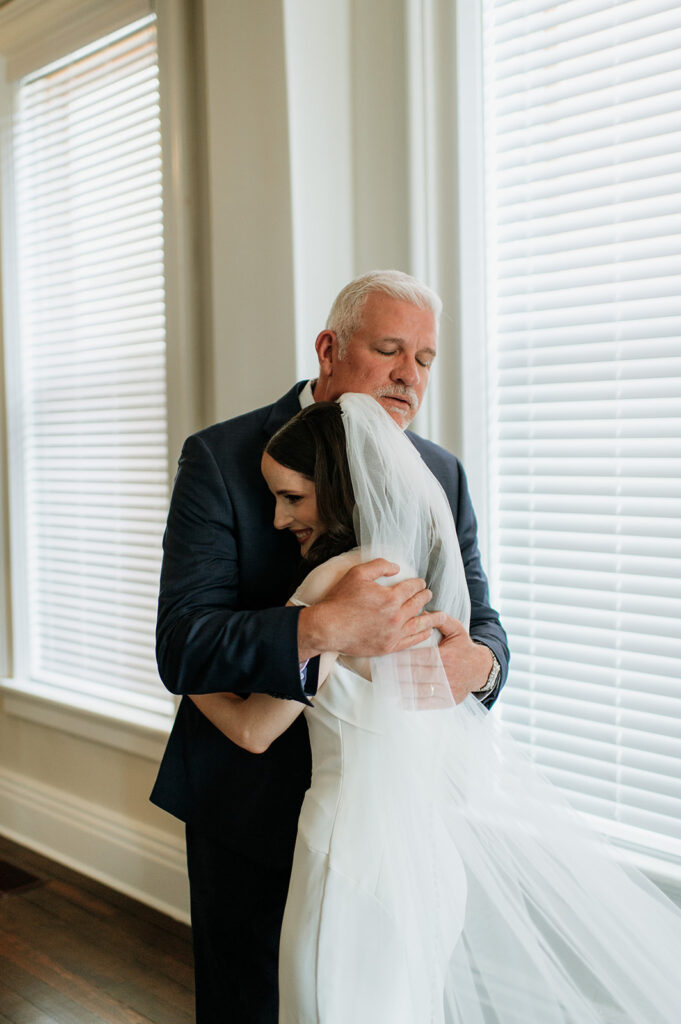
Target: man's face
{"points": [[389, 357]]}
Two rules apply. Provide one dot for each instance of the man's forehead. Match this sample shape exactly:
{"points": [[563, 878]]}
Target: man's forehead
{"points": [[384, 314]]}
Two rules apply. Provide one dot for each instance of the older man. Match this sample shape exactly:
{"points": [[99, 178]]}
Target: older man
{"points": [[222, 627]]}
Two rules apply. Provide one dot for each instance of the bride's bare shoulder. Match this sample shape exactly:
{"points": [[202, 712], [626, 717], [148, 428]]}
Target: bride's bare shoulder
{"points": [[325, 576]]}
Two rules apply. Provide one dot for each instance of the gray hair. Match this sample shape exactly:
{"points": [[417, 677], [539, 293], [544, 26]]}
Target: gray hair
{"points": [[345, 316]]}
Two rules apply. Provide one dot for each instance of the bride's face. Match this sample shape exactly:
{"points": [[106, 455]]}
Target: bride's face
{"points": [[296, 502]]}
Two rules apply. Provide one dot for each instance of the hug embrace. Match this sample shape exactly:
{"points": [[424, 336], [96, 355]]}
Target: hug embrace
{"points": [[340, 707]]}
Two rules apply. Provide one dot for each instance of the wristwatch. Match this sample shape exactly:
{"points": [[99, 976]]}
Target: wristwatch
{"points": [[492, 678]]}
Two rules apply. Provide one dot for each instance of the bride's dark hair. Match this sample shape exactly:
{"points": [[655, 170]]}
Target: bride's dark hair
{"points": [[313, 443]]}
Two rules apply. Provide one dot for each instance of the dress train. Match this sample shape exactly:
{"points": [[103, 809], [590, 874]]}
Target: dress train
{"points": [[439, 878]]}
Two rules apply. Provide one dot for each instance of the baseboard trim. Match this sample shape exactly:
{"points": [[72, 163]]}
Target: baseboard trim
{"points": [[134, 858]]}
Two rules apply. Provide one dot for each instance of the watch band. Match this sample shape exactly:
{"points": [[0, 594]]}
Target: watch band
{"points": [[493, 677]]}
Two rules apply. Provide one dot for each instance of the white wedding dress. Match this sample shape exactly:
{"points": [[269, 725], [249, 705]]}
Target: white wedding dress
{"points": [[348, 907], [438, 878]]}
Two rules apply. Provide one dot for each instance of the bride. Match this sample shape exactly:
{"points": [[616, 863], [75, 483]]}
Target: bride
{"points": [[438, 878]]}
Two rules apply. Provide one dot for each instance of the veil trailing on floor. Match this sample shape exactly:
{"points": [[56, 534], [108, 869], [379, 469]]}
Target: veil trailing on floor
{"points": [[512, 910]]}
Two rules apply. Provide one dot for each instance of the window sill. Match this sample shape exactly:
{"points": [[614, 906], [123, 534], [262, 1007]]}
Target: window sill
{"points": [[657, 856], [143, 733]]}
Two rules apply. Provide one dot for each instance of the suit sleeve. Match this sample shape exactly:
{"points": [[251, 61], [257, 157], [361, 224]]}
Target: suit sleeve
{"points": [[485, 626], [204, 642]]}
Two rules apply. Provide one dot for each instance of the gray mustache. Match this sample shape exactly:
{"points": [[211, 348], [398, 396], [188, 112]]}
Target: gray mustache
{"points": [[399, 390]]}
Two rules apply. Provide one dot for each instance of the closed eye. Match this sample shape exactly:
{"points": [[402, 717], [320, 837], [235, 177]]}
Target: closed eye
{"points": [[425, 362]]}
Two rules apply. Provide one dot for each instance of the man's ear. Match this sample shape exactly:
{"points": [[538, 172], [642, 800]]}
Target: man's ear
{"points": [[327, 352]]}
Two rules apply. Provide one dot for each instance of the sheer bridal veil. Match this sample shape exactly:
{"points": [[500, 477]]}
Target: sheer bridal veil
{"points": [[512, 911]]}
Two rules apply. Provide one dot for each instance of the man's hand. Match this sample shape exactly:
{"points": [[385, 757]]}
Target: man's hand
{"points": [[431, 677], [359, 616], [466, 664]]}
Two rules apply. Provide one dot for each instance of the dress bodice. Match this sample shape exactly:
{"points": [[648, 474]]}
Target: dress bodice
{"points": [[343, 726], [373, 891]]}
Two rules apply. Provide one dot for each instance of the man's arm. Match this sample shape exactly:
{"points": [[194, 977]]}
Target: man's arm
{"points": [[468, 657], [205, 644], [256, 722], [358, 616]]}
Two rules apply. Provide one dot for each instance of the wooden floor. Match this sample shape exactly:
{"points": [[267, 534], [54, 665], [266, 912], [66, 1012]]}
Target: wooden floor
{"points": [[74, 952]]}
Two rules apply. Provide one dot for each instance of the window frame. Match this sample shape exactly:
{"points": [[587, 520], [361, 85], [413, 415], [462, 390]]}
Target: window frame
{"points": [[100, 720], [474, 346]]}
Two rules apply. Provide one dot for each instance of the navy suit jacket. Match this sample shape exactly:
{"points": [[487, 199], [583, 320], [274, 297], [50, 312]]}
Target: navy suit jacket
{"points": [[222, 626]]}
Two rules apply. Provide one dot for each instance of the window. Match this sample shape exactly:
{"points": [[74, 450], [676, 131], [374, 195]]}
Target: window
{"points": [[583, 321], [86, 378]]}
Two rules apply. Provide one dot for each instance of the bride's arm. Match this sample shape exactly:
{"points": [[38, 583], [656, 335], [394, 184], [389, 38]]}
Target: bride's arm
{"points": [[255, 722]]}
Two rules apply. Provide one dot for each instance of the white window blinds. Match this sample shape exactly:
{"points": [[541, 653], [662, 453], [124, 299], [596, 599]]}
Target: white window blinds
{"points": [[92, 416], [583, 175]]}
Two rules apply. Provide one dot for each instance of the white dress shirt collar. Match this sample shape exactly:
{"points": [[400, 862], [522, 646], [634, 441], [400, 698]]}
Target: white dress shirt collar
{"points": [[306, 397]]}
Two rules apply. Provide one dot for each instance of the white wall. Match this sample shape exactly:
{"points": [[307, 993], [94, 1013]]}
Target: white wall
{"points": [[380, 136], [307, 167], [86, 804], [249, 203], [320, 138]]}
